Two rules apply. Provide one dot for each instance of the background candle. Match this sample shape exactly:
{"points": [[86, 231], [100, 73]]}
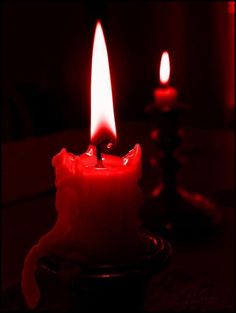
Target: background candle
{"points": [[97, 206], [165, 96]]}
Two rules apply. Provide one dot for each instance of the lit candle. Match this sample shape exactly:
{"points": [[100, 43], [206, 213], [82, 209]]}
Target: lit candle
{"points": [[165, 96], [97, 197]]}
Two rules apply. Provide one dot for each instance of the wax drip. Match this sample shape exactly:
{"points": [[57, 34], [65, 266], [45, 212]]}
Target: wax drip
{"points": [[51, 243]]}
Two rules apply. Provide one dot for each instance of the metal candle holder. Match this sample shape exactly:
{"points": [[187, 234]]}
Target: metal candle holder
{"points": [[169, 208]]}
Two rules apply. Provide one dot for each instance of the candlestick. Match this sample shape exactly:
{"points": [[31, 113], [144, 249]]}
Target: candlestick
{"points": [[169, 208]]}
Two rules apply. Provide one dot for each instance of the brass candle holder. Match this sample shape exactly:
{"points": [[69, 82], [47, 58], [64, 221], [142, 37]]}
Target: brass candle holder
{"points": [[170, 209]]}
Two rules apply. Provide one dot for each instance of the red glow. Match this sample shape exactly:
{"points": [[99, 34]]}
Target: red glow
{"points": [[231, 55], [231, 7], [103, 126], [165, 68]]}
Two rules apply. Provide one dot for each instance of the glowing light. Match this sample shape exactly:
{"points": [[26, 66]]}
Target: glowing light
{"points": [[103, 126], [165, 68]]}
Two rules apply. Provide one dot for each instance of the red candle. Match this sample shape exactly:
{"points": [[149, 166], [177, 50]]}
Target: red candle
{"points": [[97, 197], [165, 96]]}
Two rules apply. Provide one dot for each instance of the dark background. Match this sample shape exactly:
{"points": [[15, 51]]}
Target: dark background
{"points": [[46, 66], [46, 61]]}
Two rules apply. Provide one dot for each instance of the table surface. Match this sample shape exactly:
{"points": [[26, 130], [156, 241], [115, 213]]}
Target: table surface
{"points": [[200, 277]]}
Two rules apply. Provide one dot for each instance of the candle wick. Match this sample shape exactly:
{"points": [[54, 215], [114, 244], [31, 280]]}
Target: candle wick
{"points": [[99, 155]]}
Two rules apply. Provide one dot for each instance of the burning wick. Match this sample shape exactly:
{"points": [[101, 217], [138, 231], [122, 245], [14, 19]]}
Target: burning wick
{"points": [[99, 155], [99, 152]]}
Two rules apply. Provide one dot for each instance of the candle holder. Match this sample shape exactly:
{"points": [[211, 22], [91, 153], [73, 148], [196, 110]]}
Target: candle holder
{"points": [[170, 209], [106, 285]]}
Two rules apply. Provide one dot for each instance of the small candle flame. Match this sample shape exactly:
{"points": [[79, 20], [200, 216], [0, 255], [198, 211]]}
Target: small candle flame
{"points": [[103, 126], [165, 68]]}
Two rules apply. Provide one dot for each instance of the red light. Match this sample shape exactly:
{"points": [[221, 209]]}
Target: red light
{"points": [[231, 7]]}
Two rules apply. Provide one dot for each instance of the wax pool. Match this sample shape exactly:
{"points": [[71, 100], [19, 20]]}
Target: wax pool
{"points": [[97, 213]]}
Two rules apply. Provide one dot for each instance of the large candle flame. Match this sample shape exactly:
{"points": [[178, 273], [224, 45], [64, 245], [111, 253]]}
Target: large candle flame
{"points": [[165, 68], [103, 126]]}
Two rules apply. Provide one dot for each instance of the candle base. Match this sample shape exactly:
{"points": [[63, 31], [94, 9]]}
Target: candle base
{"points": [[184, 215], [105, 285]]}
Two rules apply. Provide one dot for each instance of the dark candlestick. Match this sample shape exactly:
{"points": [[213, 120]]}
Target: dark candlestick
{"points": [[169, 208]]}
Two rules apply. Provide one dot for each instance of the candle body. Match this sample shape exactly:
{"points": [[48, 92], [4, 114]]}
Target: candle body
{"points": [[165, 97], [97, 208]]}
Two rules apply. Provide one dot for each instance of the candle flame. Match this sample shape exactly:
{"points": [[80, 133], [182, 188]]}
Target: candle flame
{"points": [[103, 126], [165, 68]]}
